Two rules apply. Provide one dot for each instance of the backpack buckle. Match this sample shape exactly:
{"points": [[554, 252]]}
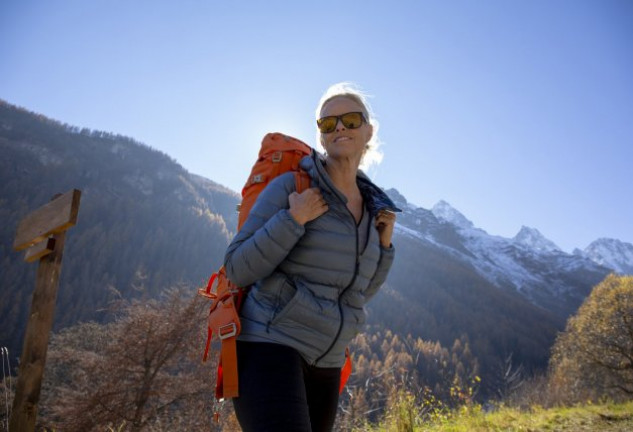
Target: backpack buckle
{"points": [[277, 157], [227, 331]]}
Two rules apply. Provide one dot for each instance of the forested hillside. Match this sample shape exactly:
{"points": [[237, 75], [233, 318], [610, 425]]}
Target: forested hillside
{"points": [[436, 298], [144, 223]]}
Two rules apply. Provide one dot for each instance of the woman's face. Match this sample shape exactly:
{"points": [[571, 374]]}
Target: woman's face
{"points": [[345, 143]]}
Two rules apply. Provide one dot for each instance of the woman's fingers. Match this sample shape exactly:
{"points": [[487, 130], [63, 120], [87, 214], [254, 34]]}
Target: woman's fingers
{"points": [[385, 217], [385, 221], [307, 205]]}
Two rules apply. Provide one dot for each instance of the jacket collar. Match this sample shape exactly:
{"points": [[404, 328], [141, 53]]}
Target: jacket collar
{"points": [[375, 198]]}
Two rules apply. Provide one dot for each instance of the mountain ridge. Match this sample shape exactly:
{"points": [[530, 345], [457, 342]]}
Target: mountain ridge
{"points": [[144, 223], [612, 253], [527, 263]]}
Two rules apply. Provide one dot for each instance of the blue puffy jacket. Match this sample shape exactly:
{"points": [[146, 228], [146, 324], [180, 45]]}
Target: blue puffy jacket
{"points": [[309, 283]]}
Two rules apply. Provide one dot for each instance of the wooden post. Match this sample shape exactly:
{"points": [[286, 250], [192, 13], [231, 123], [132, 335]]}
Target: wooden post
{"points": [[46, 225]]}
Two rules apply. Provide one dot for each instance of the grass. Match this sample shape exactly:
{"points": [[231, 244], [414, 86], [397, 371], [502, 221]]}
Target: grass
{"points": [[600, 417]]}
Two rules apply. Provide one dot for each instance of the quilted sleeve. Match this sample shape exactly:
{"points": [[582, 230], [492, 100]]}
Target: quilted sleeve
{"points": [[267, 236]]}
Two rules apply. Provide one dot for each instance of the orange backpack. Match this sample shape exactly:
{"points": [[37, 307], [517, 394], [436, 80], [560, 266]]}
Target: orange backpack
{"points": [[278, 154]]}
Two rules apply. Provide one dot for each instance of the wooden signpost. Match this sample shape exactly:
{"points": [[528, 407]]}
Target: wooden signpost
{"points": [[42, 233]]}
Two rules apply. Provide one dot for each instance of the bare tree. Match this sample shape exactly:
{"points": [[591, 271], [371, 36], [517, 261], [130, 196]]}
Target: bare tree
{"points": [[510, 378], [141, 372]]}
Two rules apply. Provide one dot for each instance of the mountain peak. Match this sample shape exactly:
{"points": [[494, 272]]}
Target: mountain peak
{"points": [[612, 253], [444, 211], [398, 199], [534, 239]]}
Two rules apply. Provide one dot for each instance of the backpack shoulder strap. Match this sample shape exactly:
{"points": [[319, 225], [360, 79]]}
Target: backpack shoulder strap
{"points": [[302, 180]]}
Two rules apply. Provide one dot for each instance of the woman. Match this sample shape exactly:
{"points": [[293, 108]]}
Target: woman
{"points": [[314, 259]]}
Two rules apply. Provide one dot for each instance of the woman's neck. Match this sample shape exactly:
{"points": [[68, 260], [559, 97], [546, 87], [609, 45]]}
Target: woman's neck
{"points": [[343, 175]]}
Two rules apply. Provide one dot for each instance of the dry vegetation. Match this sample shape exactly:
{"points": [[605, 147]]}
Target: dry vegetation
{"points": [[143, 372]]}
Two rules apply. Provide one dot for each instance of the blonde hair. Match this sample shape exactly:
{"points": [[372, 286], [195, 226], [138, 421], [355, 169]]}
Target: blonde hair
{"points": [[349, 90]]}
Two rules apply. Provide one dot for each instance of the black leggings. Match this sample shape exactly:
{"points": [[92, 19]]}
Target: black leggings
{"points": [[279, 391]]}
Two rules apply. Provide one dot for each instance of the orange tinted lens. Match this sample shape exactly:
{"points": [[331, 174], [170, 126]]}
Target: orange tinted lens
{"points": [[327, 124], [352, 120]]}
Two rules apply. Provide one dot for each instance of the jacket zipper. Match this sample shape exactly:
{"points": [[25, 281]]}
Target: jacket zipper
{"points": [[340, 306]]}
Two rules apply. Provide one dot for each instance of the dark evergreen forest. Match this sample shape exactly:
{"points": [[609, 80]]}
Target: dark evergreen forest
{"points": [[144, 223]]}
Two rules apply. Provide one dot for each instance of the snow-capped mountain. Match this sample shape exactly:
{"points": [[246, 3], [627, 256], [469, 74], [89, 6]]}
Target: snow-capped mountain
{"points": [[614, 254], [443, 211], [528, 264], [531, 237]]}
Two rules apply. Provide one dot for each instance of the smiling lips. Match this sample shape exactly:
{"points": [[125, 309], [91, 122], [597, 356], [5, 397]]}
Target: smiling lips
{"points": [[341, 138]]}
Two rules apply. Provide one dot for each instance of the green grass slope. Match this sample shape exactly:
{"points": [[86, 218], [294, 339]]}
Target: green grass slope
{"points": [[583, 418]]}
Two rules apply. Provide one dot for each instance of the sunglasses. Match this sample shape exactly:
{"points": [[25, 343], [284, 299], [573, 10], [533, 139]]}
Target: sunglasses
{"points": [[351, 120]]}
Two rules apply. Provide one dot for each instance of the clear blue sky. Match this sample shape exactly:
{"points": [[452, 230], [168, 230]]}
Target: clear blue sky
{"points": [[515, 112]]}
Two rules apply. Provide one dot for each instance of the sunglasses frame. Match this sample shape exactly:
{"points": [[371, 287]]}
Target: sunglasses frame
{"points": [[340, 118]]}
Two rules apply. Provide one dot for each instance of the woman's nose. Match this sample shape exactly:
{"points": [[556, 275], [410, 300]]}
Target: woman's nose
{"points": [[339, 124]]}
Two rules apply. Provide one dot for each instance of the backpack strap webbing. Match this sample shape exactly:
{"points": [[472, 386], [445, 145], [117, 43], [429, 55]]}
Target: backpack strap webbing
{"points": [[302, 181], [224, 322], [346, 370]]}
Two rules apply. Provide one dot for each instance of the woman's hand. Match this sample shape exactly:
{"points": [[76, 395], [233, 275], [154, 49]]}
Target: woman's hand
{"points": [[306, 206], [385, 221]]}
